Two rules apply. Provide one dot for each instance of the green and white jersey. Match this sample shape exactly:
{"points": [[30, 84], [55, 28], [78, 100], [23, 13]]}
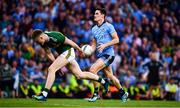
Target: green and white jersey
{"points": [[56, 41]]}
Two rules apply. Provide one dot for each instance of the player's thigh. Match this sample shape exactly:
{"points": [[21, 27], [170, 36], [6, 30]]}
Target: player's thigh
{"points": [[64, 59], [97, 66], [73, 65], [58, 63], [75, 69], [108, 71]]}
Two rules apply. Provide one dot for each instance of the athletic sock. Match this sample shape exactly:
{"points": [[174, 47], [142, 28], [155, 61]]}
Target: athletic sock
{"points": [[101, 80], [121, 91], [96, 90], [45, 92]]}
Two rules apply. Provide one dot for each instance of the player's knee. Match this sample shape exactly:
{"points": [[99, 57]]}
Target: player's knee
{"points": [[79, 76], [50, 69], [110, 76], [93, 70]]}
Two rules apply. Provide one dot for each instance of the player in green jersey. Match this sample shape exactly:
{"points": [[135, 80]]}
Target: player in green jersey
{"points": [[65, 49]]}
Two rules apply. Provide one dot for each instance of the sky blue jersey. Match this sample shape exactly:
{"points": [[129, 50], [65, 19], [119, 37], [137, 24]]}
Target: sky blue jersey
{"points": [[102, 34]]}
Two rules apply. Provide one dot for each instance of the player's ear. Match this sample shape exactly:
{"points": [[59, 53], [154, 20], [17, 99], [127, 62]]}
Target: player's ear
{"points": [[41, 37]]}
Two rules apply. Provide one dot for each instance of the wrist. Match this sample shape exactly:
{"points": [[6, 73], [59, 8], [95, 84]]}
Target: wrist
{"points": [[105, 45]]}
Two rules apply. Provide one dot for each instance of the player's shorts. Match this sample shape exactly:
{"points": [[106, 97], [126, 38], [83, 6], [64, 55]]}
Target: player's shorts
{"points": [[69, 55], [108, 59]]}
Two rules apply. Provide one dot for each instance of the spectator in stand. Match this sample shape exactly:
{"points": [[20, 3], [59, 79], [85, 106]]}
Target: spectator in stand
{"points": [[6, 79]]}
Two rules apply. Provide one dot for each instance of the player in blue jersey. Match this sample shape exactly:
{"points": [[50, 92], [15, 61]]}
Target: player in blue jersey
{"points": [[105, 37]]}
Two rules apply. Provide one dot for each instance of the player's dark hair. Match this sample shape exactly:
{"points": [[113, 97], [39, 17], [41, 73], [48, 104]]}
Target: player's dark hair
{"points": [[36, 33], [102, 10]]}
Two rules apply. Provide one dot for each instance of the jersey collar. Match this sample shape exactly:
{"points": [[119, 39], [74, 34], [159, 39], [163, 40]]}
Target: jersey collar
{"points": [[101, 24]]}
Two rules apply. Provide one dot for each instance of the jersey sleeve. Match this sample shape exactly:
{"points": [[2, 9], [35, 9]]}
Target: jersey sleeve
{"points": [[111, 29]]}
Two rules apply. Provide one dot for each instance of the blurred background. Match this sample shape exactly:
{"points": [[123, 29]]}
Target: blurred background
{"points": [[148, 30]]}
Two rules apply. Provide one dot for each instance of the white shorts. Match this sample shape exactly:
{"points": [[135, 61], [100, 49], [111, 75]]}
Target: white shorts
{"points": [[69, 55]]}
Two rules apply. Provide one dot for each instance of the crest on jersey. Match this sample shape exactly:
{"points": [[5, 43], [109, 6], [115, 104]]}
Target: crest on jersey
{"points": [[103, 30]]}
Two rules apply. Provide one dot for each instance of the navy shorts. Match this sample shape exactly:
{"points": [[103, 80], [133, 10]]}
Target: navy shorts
{"points": [[108, 59]]}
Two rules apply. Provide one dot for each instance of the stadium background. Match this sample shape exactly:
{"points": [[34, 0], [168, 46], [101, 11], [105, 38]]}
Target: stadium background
{"points": [[143, 26]]}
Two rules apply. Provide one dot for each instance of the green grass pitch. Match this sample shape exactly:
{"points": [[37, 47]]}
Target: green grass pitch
{"points": [[81, 103]]}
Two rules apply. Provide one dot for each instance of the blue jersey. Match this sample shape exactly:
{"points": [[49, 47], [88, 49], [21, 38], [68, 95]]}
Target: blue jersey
{"points": [[102, 34]]}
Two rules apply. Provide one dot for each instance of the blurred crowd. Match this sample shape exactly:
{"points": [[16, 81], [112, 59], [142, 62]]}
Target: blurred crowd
{"points": [[146, 28]]}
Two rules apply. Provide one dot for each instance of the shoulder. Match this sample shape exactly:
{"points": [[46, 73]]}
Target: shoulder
{"points": [[48, 32], [94, 27], [54, 33], [110, 28], [108, 24]]}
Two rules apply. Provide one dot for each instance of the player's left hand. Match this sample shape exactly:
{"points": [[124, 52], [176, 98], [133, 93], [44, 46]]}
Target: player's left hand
{"points": [[81, 52], [101, 47]]}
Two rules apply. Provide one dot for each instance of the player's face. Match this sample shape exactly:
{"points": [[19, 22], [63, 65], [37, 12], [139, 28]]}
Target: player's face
{"points": [[98, 16], [40, 39], [153, 56]]}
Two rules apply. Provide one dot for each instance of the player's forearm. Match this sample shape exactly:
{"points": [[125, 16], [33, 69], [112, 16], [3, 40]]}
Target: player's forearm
{"points": [[74, 45], [93, 45], [51, 57], [70, 42], [49, 54], [113, 42]]}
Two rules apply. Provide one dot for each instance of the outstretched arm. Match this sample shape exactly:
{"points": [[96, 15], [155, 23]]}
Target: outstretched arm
{"points": [[73, 44]]}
